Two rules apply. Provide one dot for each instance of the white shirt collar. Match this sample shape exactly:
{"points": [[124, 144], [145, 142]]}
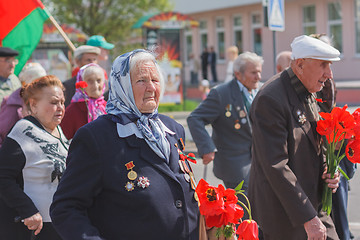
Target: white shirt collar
{"points": [[131, 129]]}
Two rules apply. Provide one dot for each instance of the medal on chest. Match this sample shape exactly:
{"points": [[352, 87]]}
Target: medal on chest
{"points": [[142, 182]]}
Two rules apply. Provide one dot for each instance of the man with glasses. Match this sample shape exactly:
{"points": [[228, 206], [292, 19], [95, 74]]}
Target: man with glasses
{"points": [[8, 81]]}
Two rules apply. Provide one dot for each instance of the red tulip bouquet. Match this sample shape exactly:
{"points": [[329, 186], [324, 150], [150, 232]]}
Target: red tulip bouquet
{"points": [[338, 126], [220, 208]]}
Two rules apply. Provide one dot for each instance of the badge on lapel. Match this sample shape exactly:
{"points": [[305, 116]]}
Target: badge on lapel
{"points": [[301, 117]]}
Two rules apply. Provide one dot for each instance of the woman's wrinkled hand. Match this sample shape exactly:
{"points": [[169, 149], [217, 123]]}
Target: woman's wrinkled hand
{"points": [[34, 223]]}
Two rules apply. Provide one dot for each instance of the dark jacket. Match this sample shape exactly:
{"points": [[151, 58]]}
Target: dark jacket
{"points": [[285, 178], [233, 157], [69, 90], [74, 118], [92, 203]]}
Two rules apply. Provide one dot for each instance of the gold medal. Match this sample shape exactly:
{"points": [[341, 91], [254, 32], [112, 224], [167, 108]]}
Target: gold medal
{"points": [[242, 114], [237, 126], [129, 186], [132, 175], [228, 110]]}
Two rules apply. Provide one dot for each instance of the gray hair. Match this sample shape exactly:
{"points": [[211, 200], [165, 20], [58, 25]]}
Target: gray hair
{"points": [[139, 57], [31, 71], [93, 69], [241, 61]]}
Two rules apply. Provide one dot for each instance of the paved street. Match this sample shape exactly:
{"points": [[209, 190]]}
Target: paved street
{"points": [[199, 169]]}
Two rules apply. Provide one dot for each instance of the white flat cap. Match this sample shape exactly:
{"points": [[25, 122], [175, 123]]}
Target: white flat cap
{"points": [[309, 47], [86, 49]]}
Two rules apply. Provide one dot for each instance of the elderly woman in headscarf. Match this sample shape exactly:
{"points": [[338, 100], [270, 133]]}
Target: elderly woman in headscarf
{"points": [[88, 102], [126, 176]]}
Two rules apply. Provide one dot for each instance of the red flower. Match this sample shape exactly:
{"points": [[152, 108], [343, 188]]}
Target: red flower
{"points": [[339, 122], [219, 206], [211, 200], [326, 126], [353, 151], [233, 212], [81, 84], [356, 115], [344, 121], [248, 230], [319, 100]]}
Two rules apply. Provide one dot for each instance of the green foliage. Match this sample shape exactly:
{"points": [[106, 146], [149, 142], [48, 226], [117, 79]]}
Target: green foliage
{"points": [[110, 18], [239, 187], [187, 105]]}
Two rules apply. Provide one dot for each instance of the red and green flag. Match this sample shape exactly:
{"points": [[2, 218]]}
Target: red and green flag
{"points": [[21, 27]]}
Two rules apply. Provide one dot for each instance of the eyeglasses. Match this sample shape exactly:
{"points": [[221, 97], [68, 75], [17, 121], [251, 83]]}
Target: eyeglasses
{"points": [[10, 60]]}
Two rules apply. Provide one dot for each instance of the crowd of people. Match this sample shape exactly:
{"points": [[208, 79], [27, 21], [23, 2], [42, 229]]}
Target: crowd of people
{"points": [[91, 158]]}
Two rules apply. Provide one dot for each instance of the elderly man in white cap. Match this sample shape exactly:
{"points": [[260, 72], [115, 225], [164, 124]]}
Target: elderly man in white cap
{"points": [[286, 176], [83, 55]]}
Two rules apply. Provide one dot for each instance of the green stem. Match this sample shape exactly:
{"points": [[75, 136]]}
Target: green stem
{"points": [[248, 209]]}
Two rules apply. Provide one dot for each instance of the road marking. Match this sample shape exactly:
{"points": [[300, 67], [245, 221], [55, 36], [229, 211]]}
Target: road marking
{"points": [[354, 224]]}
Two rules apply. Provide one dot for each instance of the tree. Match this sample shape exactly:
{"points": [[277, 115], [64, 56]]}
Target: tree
{"points": [[112, 19]]}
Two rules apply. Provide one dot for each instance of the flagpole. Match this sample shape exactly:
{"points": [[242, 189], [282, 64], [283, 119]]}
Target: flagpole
{"points": [[63, 34]]}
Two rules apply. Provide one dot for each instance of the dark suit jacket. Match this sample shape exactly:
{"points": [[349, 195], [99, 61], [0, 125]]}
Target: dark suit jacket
{"points": [[285, 178], [233, 157], [213, 59], [91, 200], [204, 60], [69, 90]]}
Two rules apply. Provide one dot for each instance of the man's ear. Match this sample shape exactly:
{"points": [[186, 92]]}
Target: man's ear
{"points": [[238, 75], [300, 62]]}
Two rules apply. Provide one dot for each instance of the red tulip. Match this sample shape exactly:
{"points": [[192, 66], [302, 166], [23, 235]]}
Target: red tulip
{"points": [[81, 84], [233, 212], [326, 126], [211, 200], [356, 115], [353, 151], [248, 230]]}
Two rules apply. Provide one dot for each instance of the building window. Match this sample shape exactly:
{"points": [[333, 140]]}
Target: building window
{"points": [[309, 20], [203, 34], [357, 25], [220, 34], [256, 33], [335, 25], [237, 26], [189, 49]]}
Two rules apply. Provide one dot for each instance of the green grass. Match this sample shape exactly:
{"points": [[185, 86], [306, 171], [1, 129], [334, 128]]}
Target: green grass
{"points": [[187, 105]]}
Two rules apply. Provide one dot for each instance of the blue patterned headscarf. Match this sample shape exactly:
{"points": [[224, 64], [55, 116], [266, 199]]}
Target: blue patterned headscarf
{"points": [[121, 104]]}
